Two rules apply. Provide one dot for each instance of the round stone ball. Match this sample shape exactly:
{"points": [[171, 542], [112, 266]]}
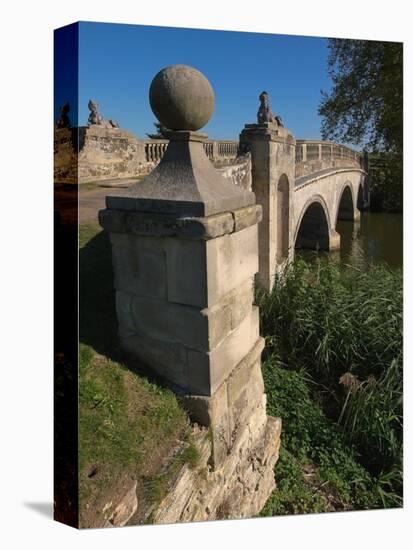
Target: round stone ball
{"points": [[181, 98]]}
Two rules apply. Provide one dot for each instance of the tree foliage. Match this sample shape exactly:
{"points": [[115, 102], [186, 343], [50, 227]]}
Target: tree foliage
{"points": [[365, 105]]}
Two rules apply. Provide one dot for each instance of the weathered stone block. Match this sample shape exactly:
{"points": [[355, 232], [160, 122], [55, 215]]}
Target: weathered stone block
{"points": [[201, 330], [244, 217], [126, 328], [229, 312], [219, 362], [139, 265], [238, 489], [228, 411], [166, 359], [241, 304], [211, 227], [231, 260], [113, 221], [186, 272], [124, 510], [219, 323], [164, 225], [109, 153], [203, 408], [153, 225], [171, 322], [245, 393]]}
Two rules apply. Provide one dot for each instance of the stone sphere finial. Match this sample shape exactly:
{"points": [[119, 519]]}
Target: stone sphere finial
{"points": [[181, 98]]}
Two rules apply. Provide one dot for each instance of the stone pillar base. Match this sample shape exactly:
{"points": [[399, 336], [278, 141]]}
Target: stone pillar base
{"points": [[237, 490], [227, 412], [334, 240]]}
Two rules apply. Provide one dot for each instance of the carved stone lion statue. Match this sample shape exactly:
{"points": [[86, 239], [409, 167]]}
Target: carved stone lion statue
{"points": [[264, 112], [96, 119], [64, 121]]}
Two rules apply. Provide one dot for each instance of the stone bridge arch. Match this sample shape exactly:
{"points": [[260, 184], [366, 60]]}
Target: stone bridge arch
{"points": [[340, 190], [347, 203], [313, 229]]}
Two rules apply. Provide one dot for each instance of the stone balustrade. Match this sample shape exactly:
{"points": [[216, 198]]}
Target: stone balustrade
{"points": [[155, 149], [311, 155], [227, 149], [216, 150], [315, 155]]}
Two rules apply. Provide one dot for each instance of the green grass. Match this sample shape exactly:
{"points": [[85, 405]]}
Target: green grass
{"points": [[124, 419], [333, 372], [129, 426]]}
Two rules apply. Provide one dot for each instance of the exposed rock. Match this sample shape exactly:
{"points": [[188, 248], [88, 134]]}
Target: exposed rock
{"points": [[123, 511], [239, 489]]}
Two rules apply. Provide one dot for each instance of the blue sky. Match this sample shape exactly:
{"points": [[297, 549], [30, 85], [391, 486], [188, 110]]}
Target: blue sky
{"points": [[117, 64]]}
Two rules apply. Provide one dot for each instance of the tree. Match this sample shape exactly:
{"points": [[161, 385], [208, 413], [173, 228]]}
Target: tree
{"points": [[160, 131], [365, 105]]}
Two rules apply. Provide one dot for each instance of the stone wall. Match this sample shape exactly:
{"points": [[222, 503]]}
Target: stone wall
{"points": [[96, 153], [198, 492], [65, 155], [106, 153], [239, 489], [239, 171]]}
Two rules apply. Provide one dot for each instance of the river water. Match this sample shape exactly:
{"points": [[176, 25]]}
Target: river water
{"points": [[377, 237]]}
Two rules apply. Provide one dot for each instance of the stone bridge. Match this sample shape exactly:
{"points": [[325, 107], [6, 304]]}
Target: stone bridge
{"points": [[304, 188]]}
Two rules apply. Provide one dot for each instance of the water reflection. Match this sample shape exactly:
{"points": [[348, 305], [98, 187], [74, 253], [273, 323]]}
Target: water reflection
{"points": [[377, 237]]}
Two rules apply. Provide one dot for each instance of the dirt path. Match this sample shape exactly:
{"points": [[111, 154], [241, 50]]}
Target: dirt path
{"points": [[91, 200]]}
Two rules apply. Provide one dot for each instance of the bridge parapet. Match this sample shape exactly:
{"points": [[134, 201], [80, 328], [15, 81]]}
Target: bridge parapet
{"points": [[316, 155], [218, 151]]}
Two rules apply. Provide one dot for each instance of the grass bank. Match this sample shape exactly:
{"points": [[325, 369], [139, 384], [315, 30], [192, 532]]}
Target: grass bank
{"points": [[333, 372]]}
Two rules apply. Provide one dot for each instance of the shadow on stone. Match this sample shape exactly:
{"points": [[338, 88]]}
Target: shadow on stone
{"points": [[97, 315], [97, 311]]}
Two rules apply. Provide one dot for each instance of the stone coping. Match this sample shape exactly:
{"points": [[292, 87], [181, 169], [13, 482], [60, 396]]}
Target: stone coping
{"points": [[315, 176], [164, 225]]}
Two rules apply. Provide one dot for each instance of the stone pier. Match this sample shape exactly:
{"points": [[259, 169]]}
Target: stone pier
{"points": [[185, 253], [272, 150]]}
